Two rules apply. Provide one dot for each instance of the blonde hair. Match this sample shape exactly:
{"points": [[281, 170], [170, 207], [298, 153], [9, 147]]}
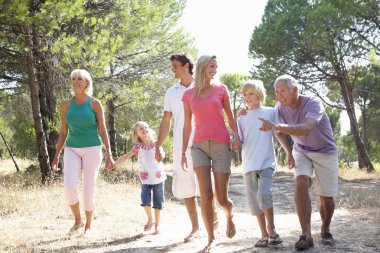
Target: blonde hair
{"points": [[86, 76], [151, 133], [257, 87], [200, 72]]}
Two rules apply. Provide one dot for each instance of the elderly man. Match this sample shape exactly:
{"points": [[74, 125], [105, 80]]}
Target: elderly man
{"points": [[305, 120]]}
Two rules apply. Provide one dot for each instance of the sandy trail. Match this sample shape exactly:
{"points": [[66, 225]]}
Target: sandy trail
{"points": [[353, 230]]}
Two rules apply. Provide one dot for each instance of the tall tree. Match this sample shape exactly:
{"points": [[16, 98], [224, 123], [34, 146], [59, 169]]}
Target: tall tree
{"points": [[318, 42], [119, 42]]}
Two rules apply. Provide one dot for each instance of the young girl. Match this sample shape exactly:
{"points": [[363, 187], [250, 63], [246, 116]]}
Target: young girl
{"points": [[152, 174], [259, 162]]}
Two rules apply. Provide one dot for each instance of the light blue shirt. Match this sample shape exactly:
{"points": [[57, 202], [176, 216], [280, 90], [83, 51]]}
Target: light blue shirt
{"points": [[257, 149]]}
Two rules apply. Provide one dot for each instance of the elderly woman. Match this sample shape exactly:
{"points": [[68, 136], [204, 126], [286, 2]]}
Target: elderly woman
{"points": [[82, 125]]}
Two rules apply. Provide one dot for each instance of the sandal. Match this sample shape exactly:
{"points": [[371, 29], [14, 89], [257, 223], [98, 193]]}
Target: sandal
{"points": [[275, 240], [156, 230], [231, 231], [74, 229], [211, 246], [262, 243], [193, 235], [148, 226]]}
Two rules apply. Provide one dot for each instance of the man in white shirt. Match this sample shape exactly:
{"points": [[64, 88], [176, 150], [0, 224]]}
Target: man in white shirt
{"points": [[184, 182]]}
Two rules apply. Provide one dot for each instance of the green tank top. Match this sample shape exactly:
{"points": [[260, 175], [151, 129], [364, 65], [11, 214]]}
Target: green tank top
{"points": [[83, 127]]}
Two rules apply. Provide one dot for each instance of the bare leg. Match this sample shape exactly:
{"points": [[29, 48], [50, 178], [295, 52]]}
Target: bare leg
{"points": [[157, 213], [215, 214], [262, 225], [303, 203], [88, 219], [269, 215], [78, 219], [326, 210], [205, 187], [148, 211], [221, 191], [191, 206]]}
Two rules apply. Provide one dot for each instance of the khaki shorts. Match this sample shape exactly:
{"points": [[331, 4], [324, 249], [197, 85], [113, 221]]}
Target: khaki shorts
{"points": [[212, 154], [325, 167]]}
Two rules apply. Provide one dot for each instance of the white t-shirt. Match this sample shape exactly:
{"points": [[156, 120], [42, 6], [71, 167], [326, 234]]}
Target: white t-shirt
{"points": [[257, 149], [173, 103]]}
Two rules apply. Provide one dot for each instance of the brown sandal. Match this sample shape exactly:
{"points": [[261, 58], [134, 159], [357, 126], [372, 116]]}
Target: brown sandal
{"points": [[275, 240], [262, 243]]}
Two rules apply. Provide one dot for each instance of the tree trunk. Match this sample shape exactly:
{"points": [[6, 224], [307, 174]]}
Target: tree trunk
{"points": [[361, 149], [111, 126], [364, 134], [46, 95], [43, 156]]}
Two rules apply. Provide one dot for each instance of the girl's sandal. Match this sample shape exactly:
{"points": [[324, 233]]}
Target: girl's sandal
{"points": [[148, 226], [156, 231]]}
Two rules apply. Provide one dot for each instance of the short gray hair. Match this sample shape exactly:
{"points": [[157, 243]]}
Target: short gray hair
{"points": [[86, 76], [288, 79]]}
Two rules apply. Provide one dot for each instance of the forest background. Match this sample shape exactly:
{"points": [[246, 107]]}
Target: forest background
{"points": [[332, 47]]}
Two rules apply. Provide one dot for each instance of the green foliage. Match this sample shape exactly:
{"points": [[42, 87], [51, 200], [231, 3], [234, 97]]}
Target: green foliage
{"points": [[124, 44], [324, 44], [347, 150], [234, 82]]}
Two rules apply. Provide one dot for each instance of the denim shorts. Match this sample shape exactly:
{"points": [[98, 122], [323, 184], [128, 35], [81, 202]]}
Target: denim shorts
{"points": [[158, 195], [212, 154]]}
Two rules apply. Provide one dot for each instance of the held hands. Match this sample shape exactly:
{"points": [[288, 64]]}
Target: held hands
{"points": [[236, 144], [159, 154], [110, 163]]}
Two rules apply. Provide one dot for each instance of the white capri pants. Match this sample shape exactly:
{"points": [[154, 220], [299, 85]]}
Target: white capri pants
{"points": [[75, 161]]}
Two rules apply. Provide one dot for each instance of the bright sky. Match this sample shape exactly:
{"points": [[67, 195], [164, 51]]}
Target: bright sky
{"points": [[224, 28]]}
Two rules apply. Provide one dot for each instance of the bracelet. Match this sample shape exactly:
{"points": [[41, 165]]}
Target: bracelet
{"points": [[183, 154]]}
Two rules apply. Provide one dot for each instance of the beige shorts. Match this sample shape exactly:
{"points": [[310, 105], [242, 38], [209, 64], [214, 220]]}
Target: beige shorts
{"points": [[184, 183], [325, 167], [212, 154]]}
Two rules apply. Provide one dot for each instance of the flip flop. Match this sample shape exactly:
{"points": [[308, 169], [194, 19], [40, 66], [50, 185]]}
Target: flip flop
{"points": [[74, 229], [262, 243], [191, 236], [211, 246], [156, 230], [148, 226], [231, 231], [275, 240]]}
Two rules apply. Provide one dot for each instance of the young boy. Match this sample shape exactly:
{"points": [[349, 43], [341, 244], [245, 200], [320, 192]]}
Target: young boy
{"points": [[259, 162]]}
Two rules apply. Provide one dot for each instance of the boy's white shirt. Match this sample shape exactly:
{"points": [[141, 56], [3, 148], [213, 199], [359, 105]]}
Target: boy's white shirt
{"points": [[257, 148]]}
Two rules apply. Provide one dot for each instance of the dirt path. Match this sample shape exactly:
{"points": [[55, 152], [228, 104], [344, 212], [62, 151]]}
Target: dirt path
{"points": [[354, 231]]}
